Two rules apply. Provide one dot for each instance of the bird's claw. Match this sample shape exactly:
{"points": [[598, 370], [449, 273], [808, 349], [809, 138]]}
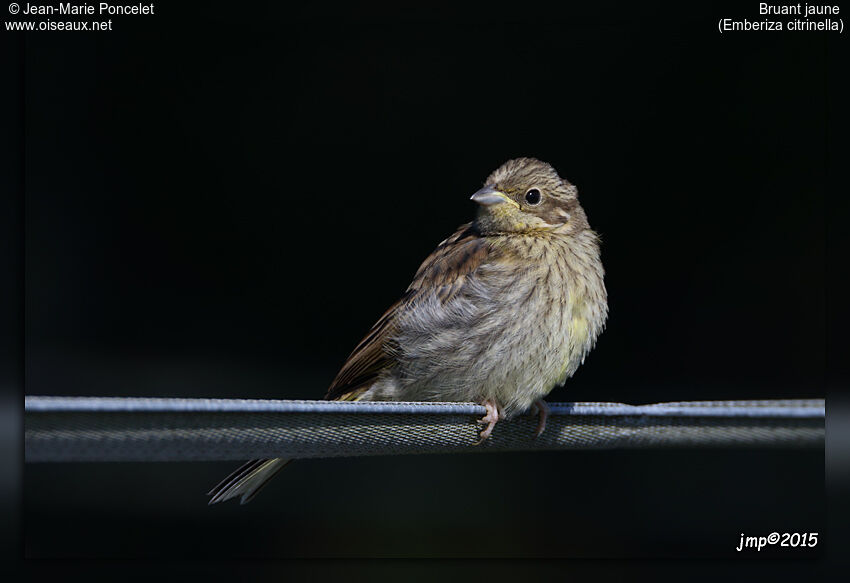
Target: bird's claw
{"points": [[542, 414], [490, 419], [494, 415]]}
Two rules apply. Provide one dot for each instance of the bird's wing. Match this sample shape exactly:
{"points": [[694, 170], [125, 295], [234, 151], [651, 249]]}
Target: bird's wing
{"points": [[443, 273]]}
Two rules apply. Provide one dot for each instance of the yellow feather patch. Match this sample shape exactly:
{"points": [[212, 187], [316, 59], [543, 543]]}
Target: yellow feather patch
{"points": [[578, 330]]}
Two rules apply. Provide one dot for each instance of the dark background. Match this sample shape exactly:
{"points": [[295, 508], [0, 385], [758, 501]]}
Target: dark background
{"points": [[220, 203]]}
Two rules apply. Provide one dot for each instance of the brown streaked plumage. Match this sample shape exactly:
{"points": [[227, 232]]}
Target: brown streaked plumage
{"points": [[500, 313], [444, 273]]}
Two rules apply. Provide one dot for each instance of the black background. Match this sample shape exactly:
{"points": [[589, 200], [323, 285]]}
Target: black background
{"points": [[220, 202]]}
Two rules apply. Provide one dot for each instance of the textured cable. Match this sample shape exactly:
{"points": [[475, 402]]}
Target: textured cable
{"points": [[139, 429]]}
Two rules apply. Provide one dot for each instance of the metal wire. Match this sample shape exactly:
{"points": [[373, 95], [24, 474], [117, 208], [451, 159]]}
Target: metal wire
{"points": [[143, 429]]}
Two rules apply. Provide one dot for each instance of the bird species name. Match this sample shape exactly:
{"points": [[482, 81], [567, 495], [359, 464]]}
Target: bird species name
{"points": [[798, 10], [728, 24], [803, 12]]}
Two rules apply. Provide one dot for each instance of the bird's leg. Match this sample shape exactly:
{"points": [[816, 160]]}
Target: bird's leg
{"points": [[542, 414], [491, 418]]}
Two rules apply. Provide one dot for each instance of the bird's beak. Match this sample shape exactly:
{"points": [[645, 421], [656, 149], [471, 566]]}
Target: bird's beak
{"points": [[489, 196]]}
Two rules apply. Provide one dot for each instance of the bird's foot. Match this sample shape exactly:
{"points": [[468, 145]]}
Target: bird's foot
{"points": [[542, 408], [490, 419]]}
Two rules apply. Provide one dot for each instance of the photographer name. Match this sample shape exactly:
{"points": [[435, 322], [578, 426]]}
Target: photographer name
{"points": [[66, 8]]}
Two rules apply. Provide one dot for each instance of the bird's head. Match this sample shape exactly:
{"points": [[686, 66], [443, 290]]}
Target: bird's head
{"points": [[526, 195]]}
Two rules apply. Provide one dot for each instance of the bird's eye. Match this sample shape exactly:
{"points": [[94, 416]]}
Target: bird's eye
{"points": [[532, 196]]}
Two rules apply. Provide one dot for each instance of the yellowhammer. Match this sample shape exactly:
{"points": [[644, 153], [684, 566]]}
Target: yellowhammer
{"points": [[500, 313]]}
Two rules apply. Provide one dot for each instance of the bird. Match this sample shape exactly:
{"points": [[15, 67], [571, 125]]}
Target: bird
{"points": [[500, 313]]}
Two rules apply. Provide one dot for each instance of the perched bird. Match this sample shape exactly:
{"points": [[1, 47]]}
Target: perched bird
{"points": [[500, 313]]}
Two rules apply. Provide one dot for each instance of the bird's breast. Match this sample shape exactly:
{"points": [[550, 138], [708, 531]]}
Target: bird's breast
{"points": [[556, 305]]}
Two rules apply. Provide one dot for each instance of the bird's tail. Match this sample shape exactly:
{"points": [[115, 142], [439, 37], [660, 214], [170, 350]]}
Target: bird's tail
{"points": [[247, 481]]}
